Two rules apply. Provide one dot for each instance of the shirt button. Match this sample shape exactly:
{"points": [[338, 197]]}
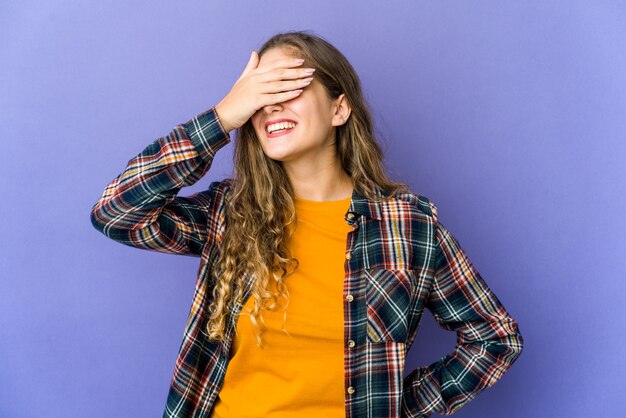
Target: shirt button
{"points": [[351, 343], [348, 256], [349, 298], [350, 390]]}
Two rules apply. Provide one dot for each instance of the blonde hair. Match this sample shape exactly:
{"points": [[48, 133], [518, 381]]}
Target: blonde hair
{"points": [[260, 213]]}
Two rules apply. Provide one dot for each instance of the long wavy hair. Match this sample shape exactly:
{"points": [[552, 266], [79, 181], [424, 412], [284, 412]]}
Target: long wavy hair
{"points": [[260, 213]]}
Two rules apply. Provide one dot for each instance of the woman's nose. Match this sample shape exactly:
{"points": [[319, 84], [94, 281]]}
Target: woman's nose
{"points": [[271, 107]]}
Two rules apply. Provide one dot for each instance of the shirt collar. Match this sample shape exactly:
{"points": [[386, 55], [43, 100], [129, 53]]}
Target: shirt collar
{"points": [[364, 206]]}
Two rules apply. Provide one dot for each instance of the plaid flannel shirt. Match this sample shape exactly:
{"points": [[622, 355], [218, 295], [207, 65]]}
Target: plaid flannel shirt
{"points": [[399, 260]]}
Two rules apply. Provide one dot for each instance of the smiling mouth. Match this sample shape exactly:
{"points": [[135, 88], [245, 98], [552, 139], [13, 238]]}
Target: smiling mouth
{"points": [[280, 132], [276, 126]]}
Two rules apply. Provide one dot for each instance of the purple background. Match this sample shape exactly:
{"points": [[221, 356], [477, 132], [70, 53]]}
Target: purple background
{"points": [[510, 116]]}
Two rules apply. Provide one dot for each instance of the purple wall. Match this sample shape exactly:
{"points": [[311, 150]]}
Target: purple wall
{"points": [[510, 116]]}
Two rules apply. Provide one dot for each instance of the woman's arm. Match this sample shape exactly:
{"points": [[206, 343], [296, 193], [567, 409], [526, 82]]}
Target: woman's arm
{"points": [[488, 339], [140, 208]]}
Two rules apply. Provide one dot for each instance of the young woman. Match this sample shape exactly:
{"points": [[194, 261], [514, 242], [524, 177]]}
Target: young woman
{"points": [[315, 268]]}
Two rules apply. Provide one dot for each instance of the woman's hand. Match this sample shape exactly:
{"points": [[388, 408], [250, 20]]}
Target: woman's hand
{"points": [[277, 82]]}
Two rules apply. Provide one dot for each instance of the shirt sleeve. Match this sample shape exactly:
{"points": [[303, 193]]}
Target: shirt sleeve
{"points": [[488, 339], [140, 207]]}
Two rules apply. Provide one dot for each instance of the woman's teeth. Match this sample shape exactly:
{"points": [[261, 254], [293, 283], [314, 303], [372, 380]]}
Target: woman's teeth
{"points": [[280, 127]]}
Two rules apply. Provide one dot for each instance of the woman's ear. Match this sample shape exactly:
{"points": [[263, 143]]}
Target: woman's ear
{"points": [[342, 110]]}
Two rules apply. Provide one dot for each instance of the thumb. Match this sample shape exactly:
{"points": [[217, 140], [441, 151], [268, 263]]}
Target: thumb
{"points": [[252, 64]]}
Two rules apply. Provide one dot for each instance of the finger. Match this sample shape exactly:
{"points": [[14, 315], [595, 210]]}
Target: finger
{"points": [[285, 85], [281, 74], [249, 66], [282, 97], [253, 61], [279, 65]]}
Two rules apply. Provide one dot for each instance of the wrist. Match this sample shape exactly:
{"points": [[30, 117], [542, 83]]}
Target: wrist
{"points": [[220, 115]]}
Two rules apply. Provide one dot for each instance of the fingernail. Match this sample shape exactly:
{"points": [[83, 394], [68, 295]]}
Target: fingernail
{"points": [[298, 60]]}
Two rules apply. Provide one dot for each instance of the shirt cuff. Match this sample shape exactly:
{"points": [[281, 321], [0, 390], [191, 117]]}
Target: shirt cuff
{"points": [[207, 133]]}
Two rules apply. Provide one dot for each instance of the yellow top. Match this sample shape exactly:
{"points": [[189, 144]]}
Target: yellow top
{"points": [[300, 374]]}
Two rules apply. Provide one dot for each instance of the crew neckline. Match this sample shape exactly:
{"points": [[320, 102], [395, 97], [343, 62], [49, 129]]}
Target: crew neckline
{"points": [[325, 205], [321, 201]]}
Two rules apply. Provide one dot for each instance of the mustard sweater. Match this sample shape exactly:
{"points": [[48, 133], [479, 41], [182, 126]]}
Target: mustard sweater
{"points": [[300, 374]]}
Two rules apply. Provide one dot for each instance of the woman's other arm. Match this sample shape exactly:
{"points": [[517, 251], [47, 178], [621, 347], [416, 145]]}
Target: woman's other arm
{"points": [[488, 339]]}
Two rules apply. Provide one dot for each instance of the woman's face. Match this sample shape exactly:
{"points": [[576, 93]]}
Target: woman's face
{"points": [[314, 114]]}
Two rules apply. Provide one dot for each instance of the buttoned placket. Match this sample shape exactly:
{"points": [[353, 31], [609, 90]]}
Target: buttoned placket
{"points": [[351, 220]]}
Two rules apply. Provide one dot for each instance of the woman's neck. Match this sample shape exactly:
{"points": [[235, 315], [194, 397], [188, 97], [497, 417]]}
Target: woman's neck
{"points": [[323, 185]]}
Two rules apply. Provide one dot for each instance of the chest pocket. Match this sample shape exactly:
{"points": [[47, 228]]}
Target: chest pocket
{"points": [[388, 301]]}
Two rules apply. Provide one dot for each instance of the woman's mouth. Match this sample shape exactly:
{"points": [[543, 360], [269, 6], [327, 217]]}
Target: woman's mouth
{"points": [[279, 133], [284, 130]]}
